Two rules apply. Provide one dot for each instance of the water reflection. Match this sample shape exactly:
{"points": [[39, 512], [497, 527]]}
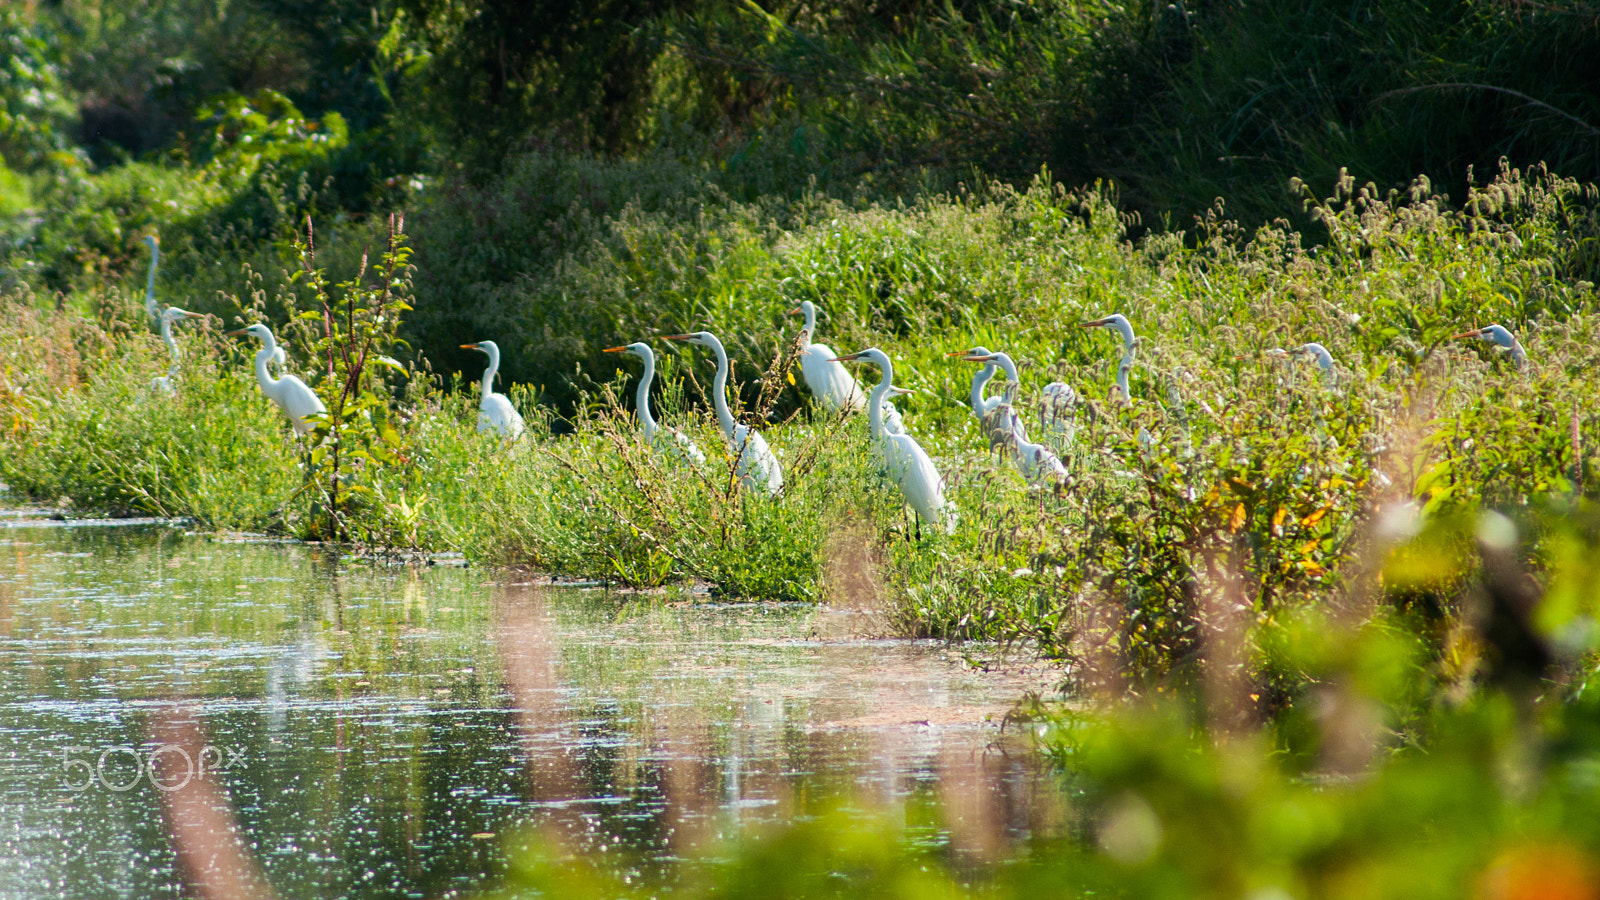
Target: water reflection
{"points": [[395, 730]]}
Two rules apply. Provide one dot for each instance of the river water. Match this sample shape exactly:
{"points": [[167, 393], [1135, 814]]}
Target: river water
{"points": [[356, 729]]}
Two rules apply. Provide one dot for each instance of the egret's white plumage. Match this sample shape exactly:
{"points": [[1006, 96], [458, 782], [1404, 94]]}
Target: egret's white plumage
{"points": [[290, 393], [1036, 462], [495, 412], [1129, 343], [1500, 337], [996, 419], [754, 462], [909, 465], [829, 382], [1312, 351], [664, 440], [167, 384], [151, 308], [1058, 407], [892, 423]]}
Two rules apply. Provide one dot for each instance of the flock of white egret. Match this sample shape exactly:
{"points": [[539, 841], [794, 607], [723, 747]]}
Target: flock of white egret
{"points": [[835, 391]]}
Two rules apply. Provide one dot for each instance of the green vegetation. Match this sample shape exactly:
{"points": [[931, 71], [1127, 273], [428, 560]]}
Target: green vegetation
{"points": [[1257, 481], [580, 180]]}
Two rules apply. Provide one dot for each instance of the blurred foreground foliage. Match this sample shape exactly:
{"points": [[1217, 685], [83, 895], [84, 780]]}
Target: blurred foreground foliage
{"points": [[1392, 775], [1397, 772]]}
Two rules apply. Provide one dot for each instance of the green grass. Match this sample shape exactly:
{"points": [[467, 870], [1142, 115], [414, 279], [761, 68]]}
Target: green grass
{"points": [[1258, 488]]}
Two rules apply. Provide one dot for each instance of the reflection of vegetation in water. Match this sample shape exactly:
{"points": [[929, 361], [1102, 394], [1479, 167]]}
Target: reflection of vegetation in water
{"points": [[387, 714]]}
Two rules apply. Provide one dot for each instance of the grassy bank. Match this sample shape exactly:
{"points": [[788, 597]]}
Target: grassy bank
{"points": [[1253, 480]]}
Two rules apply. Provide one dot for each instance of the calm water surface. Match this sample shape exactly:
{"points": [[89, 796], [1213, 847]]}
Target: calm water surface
{"points": [[399, 731]]}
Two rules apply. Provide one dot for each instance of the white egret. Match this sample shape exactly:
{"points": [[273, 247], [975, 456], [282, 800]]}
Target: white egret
{"points": [[981, 405], [1125, 364], [654, 434], [290, 393], [150, 306], [891, 416], [909, 465], [165, 384], [1504, 340], [495, 412], [1036, 462], [1058, 406], [829, 382], [1312, 351], [754, 462], [996, 418]]}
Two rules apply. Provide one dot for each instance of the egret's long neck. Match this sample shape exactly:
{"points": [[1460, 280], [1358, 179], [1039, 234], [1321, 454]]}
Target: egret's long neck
{"points": [[979, 382], [719, 390], [647, 422], [810, 328], [1324, 361], [1125, 365], [875, 402], [488, 374], [263, 377], [1010, 369], [150, 280], [1518, 355], [166, 337]]}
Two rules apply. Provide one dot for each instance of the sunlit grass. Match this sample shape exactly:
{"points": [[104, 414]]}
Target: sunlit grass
{"points": [[1232, 477]]}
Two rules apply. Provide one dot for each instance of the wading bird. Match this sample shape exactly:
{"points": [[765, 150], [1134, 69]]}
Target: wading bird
{"points": [[495, 412], [1058, 407], [1503, 340], [891, 416], [165, 384], [290, 393], [1035, 461], [678, 443], [829, 382], [908, 463], [1313, 351], [1129, 343], [754, 462], [996, 418], [150, 306], [1038, 463]]}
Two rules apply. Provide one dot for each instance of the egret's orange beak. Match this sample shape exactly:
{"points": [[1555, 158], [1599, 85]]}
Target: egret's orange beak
{"points": [[470, 347], [797, 311], [1096, 323], [961, 353], [613, 350], [675, 337], [235, 333], [846, 358], [1476, 332], [190, 315], [988, 358]]}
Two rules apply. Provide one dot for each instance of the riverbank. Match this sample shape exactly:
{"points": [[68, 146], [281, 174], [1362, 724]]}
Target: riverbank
{"points": [[1231, 475]]}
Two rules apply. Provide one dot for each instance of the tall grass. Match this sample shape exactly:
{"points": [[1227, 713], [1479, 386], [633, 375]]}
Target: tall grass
{"points": [[85, 427], [1231, 479]]}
